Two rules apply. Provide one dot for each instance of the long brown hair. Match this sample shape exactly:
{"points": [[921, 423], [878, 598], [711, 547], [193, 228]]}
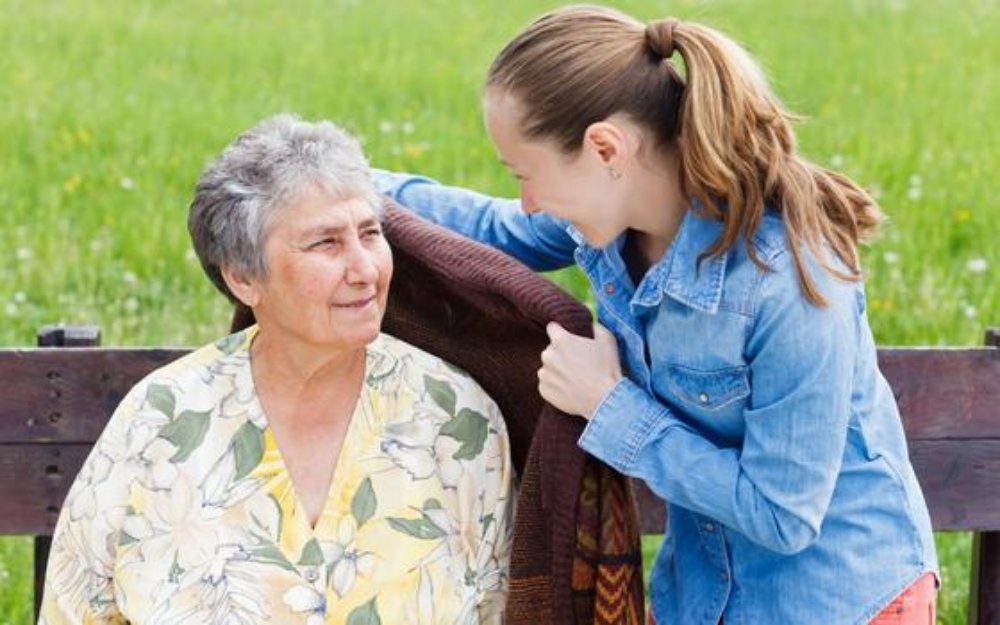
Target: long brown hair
{"points": [[581, 64]]}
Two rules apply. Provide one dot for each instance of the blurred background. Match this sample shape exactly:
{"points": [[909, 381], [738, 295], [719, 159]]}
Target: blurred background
{"points": [[110, 109]]}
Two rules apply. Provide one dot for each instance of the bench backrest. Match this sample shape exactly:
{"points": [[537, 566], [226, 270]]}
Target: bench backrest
{"points": [[55, 402]]}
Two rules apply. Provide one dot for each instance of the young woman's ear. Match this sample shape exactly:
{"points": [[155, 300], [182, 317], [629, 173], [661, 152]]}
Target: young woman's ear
{"points": [[608, 141], [243, 288]]}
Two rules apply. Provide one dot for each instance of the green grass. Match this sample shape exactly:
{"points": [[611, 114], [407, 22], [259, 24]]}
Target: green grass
{"points": [[16, 578], [111, 108]]}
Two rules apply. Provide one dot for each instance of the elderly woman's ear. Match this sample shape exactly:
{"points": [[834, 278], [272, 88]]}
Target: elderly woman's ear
{"points": [[243, 288]]}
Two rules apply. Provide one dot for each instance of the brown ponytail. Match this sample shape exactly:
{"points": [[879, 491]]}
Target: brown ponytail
{"points": [[738, 155], [580, 65]]}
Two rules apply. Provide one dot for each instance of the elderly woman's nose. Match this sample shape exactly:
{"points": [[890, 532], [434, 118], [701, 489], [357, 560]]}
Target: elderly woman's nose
{"points": [[362, 264]]}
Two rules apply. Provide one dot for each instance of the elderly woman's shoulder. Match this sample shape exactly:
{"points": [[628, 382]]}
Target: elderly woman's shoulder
{"points": [[200, 369], [392, 357]]}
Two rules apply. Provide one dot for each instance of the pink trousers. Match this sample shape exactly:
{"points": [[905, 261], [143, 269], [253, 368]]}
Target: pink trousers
{"points": [[914, 606]]}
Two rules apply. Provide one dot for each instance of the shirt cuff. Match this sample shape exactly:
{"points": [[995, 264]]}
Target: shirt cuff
{"points": [[623, 423], [393, 183]]}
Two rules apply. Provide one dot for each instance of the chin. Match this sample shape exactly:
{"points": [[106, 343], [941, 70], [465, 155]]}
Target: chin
{"points": [[598, 241], [362, 337], [356, 336]]}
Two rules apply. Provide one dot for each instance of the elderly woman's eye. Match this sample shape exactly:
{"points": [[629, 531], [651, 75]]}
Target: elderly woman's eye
{"points": [[324, 243], [371, 233]]}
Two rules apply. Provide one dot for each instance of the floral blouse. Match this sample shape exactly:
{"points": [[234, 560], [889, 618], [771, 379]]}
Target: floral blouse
{"points": [[184, 511]]}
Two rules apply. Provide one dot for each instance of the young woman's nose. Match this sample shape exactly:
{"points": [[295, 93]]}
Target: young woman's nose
{"points": [[528, 202]]}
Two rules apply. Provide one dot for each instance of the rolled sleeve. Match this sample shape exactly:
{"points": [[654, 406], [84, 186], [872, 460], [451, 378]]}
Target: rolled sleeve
{"points": [[537, 240], [626, 419]]}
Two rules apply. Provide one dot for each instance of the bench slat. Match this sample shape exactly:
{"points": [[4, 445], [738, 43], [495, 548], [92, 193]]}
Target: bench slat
{"points": [[62, 395], [945, 393], [67, 395], [959, 480], [34, 480]]}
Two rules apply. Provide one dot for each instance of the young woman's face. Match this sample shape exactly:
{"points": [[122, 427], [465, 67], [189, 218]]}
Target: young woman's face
{"points": [[578, 188]]}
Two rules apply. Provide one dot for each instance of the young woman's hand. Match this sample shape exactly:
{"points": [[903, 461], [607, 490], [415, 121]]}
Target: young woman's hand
{"points": [[577, 372]]}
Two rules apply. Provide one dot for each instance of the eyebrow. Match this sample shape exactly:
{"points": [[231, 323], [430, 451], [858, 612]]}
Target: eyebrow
{"points": [[337, 229]]}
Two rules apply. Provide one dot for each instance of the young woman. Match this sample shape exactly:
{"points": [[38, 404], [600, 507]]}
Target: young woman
{"points": [[733, 369]]}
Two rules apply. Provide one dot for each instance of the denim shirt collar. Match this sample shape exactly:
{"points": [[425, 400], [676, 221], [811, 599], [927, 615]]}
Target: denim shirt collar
{"points": [[678, 273]]}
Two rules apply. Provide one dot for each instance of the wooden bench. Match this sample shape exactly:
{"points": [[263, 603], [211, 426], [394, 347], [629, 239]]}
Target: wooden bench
{"points": [[55, 401]]}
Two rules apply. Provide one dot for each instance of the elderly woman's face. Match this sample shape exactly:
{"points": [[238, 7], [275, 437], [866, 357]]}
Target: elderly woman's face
{"points": [[328, 271]]}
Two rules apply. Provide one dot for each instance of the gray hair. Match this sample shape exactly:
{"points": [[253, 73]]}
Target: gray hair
{"points": [[260, 172]]}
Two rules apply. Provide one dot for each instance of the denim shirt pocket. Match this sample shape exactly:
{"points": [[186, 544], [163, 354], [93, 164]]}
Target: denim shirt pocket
{"points": [[708, 391]]}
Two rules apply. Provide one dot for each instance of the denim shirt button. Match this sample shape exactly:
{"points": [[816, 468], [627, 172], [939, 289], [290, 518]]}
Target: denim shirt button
{"points": [[703, 398], [709, 526], [609, 288], [724, 576]]}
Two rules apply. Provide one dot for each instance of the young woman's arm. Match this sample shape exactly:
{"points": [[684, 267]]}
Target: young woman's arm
{"points": [[777, 488], [537, 240]]}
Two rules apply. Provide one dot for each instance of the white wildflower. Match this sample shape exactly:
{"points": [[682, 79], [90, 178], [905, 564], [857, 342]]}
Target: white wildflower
{"points": [[977, 265]]}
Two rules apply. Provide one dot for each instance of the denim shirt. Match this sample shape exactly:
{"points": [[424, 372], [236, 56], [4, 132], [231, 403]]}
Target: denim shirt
{"points": [[761, 418]]}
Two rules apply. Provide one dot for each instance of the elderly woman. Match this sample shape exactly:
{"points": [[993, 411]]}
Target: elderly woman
{"points": [[309, 469]]}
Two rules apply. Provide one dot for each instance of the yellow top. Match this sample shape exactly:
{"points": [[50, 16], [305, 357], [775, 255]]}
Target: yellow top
{"points": [[184, 511]]}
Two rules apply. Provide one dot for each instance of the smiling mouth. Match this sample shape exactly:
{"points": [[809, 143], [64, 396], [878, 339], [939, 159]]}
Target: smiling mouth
{"points": [[361, 303]]}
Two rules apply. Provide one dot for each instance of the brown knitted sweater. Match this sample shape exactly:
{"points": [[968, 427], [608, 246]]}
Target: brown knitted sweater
{"points": [[576, 556]]}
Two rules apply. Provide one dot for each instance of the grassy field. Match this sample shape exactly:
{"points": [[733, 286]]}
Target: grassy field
{"points": [[110, 109]]}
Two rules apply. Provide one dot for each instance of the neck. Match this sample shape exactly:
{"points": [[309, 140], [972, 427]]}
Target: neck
{"points": [[658, 205], [289, 371]]}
